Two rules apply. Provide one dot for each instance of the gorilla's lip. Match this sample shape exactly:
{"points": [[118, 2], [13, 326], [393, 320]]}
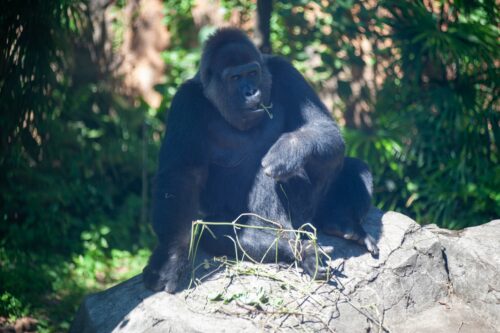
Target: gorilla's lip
{"points": [[254, 111], [251, 115]]}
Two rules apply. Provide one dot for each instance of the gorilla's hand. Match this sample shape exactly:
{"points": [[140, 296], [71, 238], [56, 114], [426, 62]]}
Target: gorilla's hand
{"points": [[161, 275], [285, 159]]}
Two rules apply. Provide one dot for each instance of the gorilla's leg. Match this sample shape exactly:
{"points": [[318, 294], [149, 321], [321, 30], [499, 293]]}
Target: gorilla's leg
{"points": [[291, 203], [346, 204], [286, 204], [175, 201], [166, 267]]}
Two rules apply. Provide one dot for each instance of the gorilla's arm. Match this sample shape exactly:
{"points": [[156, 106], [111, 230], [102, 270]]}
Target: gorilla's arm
{"points": [[180, 177], [311, 134]]}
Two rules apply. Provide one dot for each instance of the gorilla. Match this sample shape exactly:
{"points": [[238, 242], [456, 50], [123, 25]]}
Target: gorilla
{"points": [[248, 134]]}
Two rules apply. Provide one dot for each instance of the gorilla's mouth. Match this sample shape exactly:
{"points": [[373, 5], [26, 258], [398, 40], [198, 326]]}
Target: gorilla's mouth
{"points": [[266, 108], [251, 117]]}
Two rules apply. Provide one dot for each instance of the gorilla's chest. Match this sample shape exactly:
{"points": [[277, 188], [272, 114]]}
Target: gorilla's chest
{"points": [[235, 160], [230, 148]]}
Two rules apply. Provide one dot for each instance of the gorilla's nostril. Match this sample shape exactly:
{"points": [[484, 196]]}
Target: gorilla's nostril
{"points": [[251, 92]]}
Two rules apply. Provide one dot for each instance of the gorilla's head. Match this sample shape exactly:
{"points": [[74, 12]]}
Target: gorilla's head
{"points": [[235, 78]]}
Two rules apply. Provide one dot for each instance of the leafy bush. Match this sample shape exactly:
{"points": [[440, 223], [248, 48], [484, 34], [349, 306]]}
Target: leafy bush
{"points": [[70, 171], [440, 108]]}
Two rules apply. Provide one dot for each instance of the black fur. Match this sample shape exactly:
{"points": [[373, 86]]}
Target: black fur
{"points": [[223, 155]]}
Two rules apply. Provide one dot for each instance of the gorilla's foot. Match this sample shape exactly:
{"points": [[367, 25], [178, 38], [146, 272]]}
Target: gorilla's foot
{"points": [[363, 239], [370, 244], [158, 281], [167, 276], [313, 262], [357, 234]]}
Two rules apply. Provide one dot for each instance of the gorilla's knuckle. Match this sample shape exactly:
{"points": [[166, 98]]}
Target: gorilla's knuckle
{"points": [[269, 172]]}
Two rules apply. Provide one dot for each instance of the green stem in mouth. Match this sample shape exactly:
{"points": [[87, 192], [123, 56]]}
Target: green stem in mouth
{"points": [[268, 109]]}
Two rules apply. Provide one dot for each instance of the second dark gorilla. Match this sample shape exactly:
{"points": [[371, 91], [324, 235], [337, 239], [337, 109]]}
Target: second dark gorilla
{"points": [[248, 134]]}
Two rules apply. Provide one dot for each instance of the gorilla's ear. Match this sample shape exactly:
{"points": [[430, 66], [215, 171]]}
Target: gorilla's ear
{"points": [[206, 76]]}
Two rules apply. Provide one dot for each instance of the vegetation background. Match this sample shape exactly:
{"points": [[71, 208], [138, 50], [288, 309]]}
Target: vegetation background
{"points": [[85, 85]]}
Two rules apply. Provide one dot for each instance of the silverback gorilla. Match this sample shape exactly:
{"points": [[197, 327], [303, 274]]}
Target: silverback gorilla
{"points": [[248, 134]]}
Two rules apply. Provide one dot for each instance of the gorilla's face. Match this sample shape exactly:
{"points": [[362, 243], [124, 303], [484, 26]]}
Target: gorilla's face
{"points": [[239, 85]]}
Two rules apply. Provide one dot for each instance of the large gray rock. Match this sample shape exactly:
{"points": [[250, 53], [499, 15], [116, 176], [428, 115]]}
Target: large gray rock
{"points": [[425, 279], [473, 262]]}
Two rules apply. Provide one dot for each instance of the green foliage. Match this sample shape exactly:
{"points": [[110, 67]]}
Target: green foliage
{"points": [[50, 287], [440, 109], [12, 306], [323, 28], [70, 169]]}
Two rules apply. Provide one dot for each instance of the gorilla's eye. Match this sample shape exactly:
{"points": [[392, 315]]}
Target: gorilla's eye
{"points": [[235, 77]]}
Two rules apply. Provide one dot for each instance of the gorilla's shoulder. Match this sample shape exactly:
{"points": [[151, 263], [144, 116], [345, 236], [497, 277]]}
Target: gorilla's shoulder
{"points": [[193, 85], [280, 67], [189, 101], [276, 63], [190, 93]]}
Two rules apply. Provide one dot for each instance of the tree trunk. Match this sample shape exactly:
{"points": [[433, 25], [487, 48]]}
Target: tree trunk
{"points": [[263, 25]]}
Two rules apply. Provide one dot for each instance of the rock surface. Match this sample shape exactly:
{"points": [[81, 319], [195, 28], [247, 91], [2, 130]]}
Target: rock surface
{"points": [[426, 279]]}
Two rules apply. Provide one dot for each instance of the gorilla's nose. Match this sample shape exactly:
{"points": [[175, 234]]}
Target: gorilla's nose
{"points": [[252, 93], [252, 97]]}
